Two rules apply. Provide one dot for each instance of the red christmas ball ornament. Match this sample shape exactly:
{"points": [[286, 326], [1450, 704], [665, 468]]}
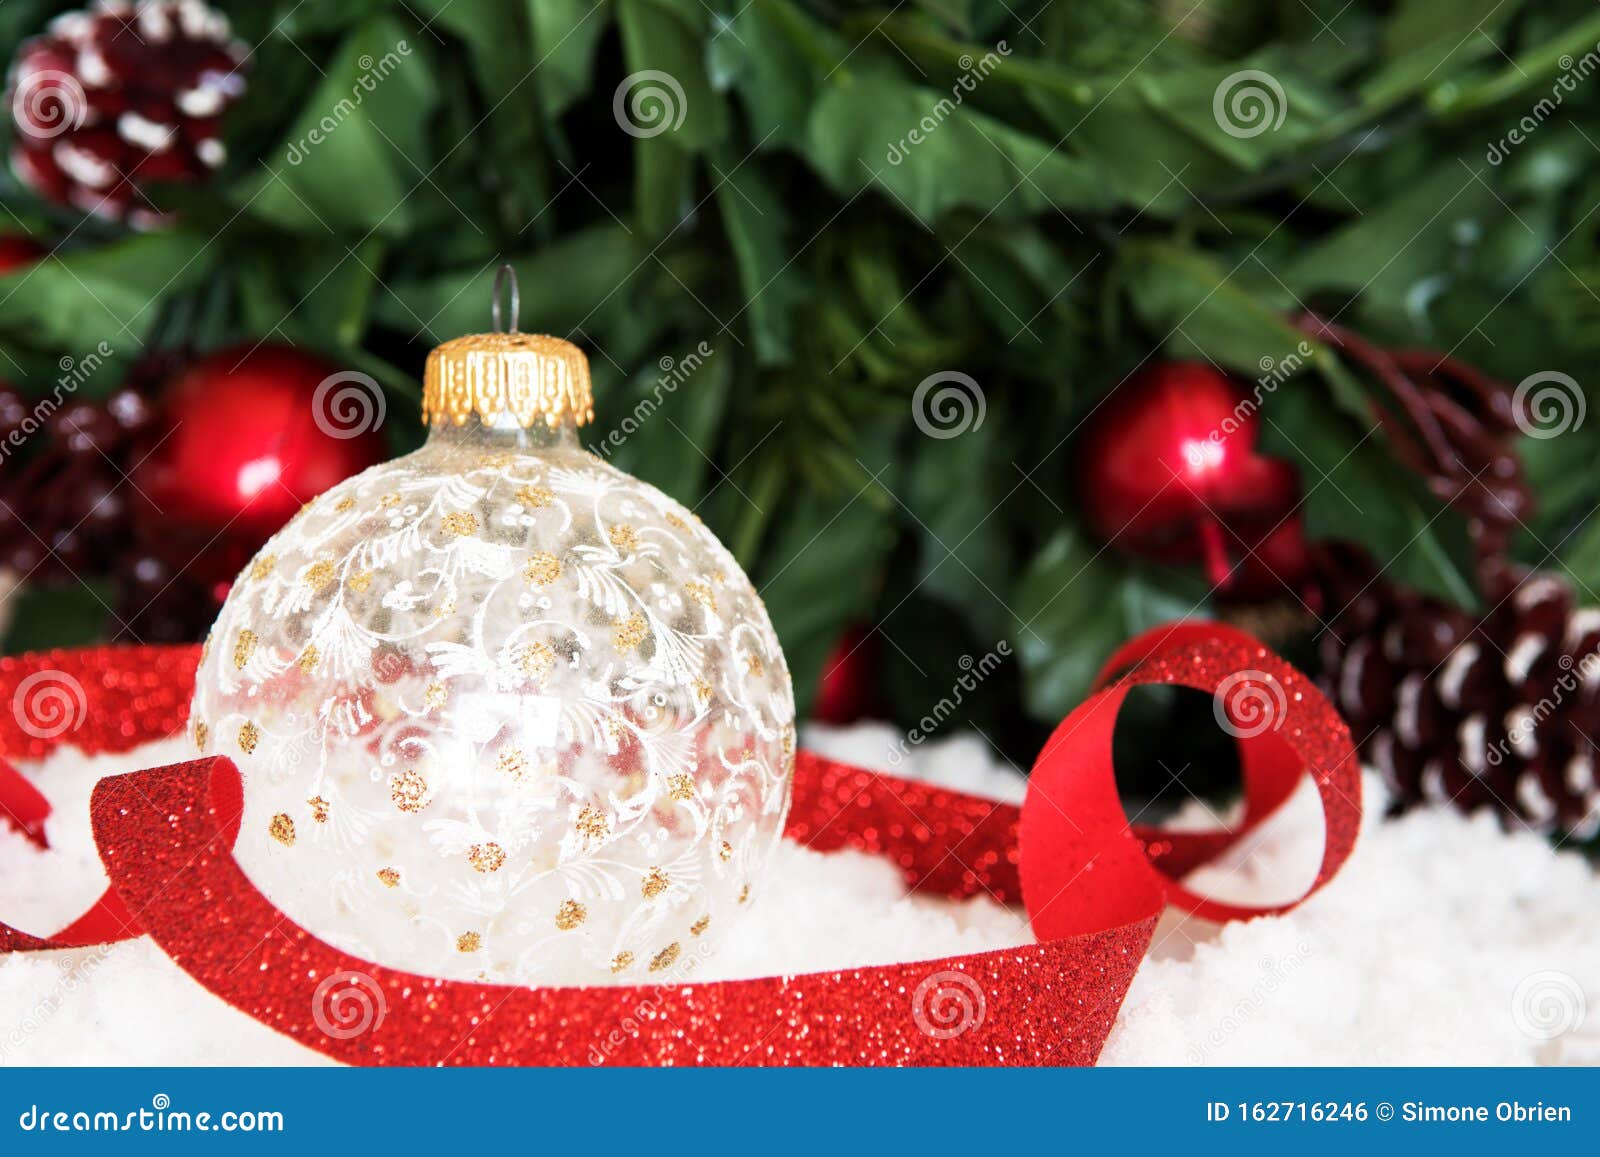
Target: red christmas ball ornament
{"points": [[18, 251], [1169, 470], [121, 95], [254, 434], [847, 689]]}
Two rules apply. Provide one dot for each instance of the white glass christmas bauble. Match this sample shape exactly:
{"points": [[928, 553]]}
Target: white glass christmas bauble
{"points": [[501, 711]]}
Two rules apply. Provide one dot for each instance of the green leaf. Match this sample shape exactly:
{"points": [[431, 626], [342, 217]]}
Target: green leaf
{"points": [[1067, 625], [756, 221], [1248, 111], [357, 153], [44, 617], [111, 293], [1397, 246], [563, 286], [1356, 490], [667, 98], [819, 575], [664, 426], [774, 57], [933, 155], [565, 33], [954, 490], [1230, 315]]}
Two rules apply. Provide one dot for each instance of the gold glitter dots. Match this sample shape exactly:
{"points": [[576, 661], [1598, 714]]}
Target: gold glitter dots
{"points": [[543, 568], [460, 524], [570, 915], [344, 504], [318, 575], [654, 883], [243, 648], [676, 523], [281, 828], [621, 962], [469, 942], [701, 593], [360, 582], [680, 787], [744, 894], [319, 808], [249, 736], [537, 660], [435, 696], [389, 501], [755, 666], [665, 957], [592, 824], [702, 690], [389, 877], [262, 566], [201, 734], [307, 661], [630, 632], [486, 858], [512, 762], [699, 926], [725, 852], [623, 536], [534, 497], [408, 791]]}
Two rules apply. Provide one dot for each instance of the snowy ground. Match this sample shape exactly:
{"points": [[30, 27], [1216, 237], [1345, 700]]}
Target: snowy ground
{"points": [[1445, 941]]}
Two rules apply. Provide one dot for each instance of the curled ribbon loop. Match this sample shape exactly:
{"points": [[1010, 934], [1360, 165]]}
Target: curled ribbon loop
{"points": [[1093, 885]]}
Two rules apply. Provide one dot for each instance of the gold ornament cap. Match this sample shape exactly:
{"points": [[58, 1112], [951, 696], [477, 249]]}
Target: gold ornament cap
{"points": [[531, 377]]}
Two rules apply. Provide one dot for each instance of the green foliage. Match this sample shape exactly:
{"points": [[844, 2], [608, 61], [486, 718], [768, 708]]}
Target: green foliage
{"points": [[1069, 208]]}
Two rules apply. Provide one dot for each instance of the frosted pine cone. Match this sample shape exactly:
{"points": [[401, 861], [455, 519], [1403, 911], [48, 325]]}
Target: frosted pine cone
{"points": [[1501, 713], [120, 96]]}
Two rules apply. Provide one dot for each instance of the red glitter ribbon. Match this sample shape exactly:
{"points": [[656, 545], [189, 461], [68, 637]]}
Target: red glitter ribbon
{"points": [[1094, 887]]}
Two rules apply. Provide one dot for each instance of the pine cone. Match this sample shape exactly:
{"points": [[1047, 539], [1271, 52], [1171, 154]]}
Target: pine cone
{"points": [[121, 95], [1502, 712]]}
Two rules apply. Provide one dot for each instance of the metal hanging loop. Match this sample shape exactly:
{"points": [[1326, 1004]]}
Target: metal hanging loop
{"points": [[502, 275]]}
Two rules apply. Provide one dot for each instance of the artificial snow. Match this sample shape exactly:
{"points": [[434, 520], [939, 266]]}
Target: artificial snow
{"points": [[1444, 941]]}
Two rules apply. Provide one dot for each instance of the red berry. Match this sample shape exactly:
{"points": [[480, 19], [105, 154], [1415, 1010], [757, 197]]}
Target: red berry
{"points": [[1168, 469], [247, 447]]}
